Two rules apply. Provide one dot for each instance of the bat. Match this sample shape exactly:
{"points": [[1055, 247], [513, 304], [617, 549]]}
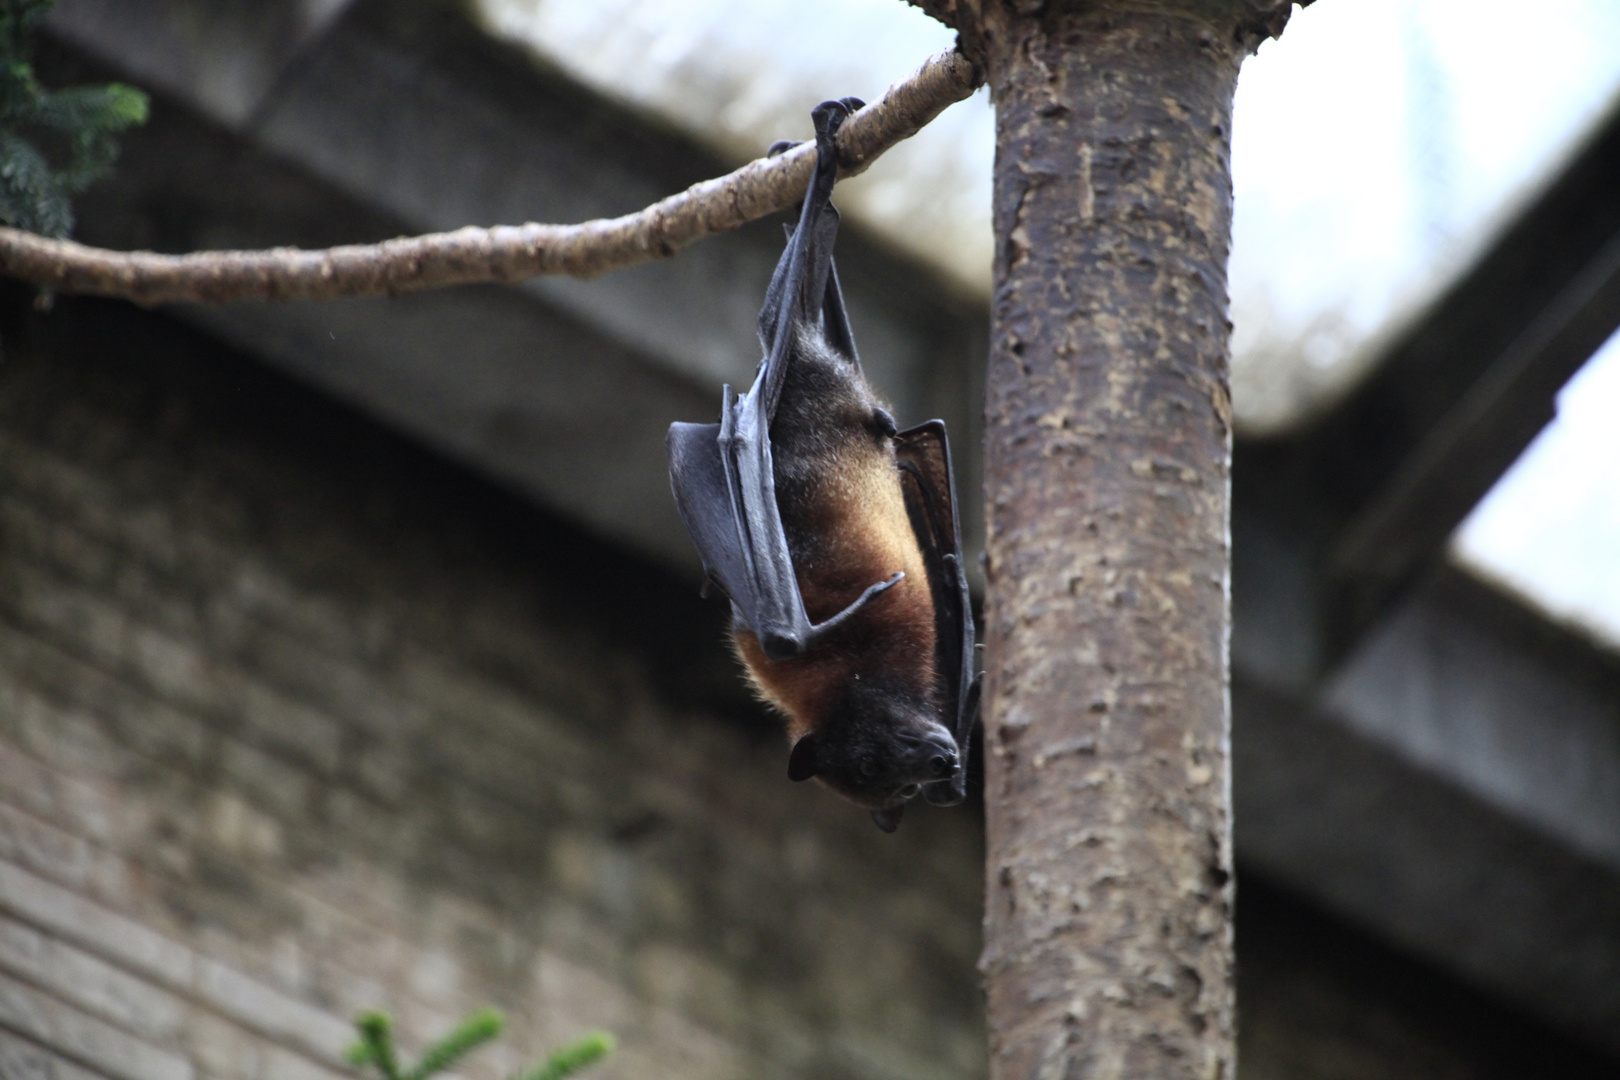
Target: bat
{"points": [[835, 536]]}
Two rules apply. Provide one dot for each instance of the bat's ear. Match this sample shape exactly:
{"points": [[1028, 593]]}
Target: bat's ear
{"points": [[889, 820], [802, 762]]}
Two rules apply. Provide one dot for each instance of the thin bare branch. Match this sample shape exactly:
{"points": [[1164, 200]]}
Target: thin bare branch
{"points": [[504, 253]]}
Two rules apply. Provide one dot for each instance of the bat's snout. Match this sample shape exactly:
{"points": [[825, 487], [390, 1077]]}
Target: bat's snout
{"points": [[935, 758], [943, 784]]}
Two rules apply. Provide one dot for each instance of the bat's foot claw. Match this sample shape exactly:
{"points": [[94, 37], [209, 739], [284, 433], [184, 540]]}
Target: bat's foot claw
{"points": [[780, 147], [829, 116]]}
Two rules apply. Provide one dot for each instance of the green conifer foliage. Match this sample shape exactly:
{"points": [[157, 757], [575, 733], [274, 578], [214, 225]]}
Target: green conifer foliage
{"points": [[376, 1048], [53, 143]]}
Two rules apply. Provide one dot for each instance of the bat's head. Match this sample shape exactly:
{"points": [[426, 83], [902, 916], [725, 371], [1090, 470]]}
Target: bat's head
{"points": [[877, 747]]}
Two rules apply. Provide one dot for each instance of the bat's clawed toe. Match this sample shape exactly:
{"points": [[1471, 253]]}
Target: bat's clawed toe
{"points": [[829, 116]]}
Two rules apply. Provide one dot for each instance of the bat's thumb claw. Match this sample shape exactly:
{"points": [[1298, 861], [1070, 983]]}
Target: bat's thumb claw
{"points": [[780, 646]]}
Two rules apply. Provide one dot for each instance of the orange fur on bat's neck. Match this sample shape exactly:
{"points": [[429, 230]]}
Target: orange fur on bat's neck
{"points": [[867, 537]]}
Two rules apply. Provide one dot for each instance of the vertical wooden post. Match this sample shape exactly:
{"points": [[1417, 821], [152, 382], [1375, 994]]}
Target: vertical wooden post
{"points": [[1108, 912]]}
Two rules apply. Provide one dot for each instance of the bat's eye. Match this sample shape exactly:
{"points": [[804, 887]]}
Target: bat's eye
{"points": [[869, 768]]}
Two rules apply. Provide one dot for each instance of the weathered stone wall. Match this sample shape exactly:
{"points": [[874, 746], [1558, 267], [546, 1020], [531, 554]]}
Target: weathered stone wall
{"points": [[297, 720]]}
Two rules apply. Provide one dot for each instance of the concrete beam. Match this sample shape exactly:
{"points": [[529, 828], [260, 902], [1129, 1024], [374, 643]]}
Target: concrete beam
{"points": [[550, 404], [1467, 685], [1425, 863], [1372, 490], [219, 56], [1454, 785]]}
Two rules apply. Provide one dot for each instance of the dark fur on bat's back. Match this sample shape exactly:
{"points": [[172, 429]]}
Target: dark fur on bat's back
{"points": [[826, 415]]}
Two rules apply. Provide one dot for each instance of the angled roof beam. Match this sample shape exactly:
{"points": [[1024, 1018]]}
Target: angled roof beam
{"points": [[1374, 489]]}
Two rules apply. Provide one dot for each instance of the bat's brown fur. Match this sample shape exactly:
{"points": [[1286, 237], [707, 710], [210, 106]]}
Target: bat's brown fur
{"points": [[838, 489]]}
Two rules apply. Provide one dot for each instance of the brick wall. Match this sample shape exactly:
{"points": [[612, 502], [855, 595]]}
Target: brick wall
{"points": [[297, 720]]}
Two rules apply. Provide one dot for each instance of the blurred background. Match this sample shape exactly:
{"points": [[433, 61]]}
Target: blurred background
{"points": [[351, 657]]}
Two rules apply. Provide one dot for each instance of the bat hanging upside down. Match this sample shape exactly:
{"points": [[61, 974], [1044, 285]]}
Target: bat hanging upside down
{"points": [[835, 536]]}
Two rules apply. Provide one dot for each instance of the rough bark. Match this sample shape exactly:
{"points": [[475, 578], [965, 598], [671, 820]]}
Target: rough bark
{"points": [[1108, 909], [501, 254]]}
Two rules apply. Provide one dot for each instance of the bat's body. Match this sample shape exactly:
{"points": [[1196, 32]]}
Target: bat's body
{"points": [[844, 515], [835, 537]]}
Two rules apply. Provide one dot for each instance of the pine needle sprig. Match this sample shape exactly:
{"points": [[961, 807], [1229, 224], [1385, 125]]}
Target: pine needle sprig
{"points": [[572, 1058], [471, 1033], [376, 1048], [79, 127], [376, 1045]]}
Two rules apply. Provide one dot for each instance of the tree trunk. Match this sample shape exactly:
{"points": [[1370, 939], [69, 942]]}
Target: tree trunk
{"points": [[1108, 911]]}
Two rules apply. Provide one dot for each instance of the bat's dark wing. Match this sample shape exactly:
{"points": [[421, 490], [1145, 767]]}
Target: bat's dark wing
{"points": [[722, 474], [926, 477]]}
